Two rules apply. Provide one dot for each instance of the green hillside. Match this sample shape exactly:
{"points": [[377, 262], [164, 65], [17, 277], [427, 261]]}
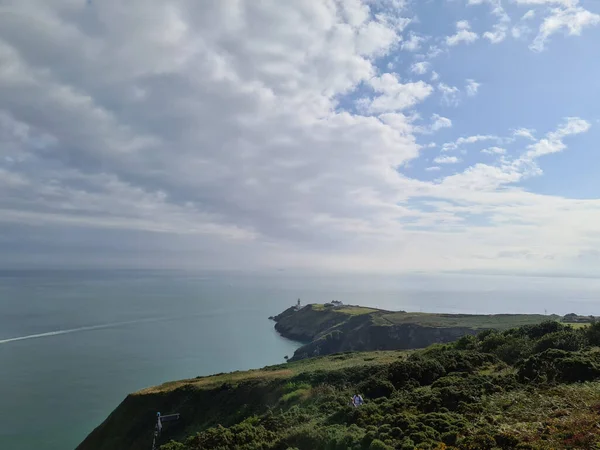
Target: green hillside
{"points": [[532, 387]]}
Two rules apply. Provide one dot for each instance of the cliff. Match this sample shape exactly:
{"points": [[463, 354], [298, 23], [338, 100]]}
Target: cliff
{"points": [[330, 329]]}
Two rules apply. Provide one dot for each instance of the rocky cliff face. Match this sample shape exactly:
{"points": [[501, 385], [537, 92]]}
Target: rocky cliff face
{"points": [[374, 337], [308, 323]]}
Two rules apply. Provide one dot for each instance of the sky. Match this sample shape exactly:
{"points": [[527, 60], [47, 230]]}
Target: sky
{"points": [[386, 136]]}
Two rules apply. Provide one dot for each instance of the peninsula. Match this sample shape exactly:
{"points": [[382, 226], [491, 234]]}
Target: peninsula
{"points": [[334, 327]]}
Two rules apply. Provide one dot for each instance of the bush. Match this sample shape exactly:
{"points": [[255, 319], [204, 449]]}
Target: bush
{"points": [[443, 422], [540, 330], [558, 365], [506, 441], [569, 340], [513, 349], [467, 342], [379, 445], [477, 442], [450, 438], [173, 446], [592, 333], [420, 370], [407, 444], [376, 388]]}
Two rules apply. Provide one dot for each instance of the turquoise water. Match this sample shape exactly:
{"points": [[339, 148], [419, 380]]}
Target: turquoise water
{"points": [[56, 388], [93, 337]]}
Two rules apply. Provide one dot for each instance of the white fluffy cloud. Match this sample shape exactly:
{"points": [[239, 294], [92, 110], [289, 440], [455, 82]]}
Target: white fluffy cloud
{"points": [[439, 122], [524, 133], [394, 95], [449, 146], [413, 43], [442, 159], [565, 15], [420, 67], [463, 34]]}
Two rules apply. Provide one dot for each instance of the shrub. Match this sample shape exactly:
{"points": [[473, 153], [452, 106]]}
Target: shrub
{"points": [[450, 438], [477, 442], [592, 333], [558, 365], [443, 422], [542, 329], [513, 350], [467, 342], [376, 387], [379, 445], [407, 444], [492, 342], [423, 371], [484, 334], [506, 440], [173, 446], [569, 340]]}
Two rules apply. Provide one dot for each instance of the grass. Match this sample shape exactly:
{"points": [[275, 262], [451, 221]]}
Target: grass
{"points": [[348, 310], [355, 310], [283, 371], [474, 321], [497, 321], [577, 325]]}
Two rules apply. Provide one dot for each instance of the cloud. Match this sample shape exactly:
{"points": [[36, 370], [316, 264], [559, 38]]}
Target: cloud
{"points": [[394, 95], [472, 87], [497, 35], [494, 151], [525, 133], [413, 43], [448, 146], [420, 68], [463, 34], [224, 135], [487, 177], [450, 94], [563, 3], [553, 142], [439, 122], [197, 121], [446, 160], [569, 18], [434, 76], [500, 29]]}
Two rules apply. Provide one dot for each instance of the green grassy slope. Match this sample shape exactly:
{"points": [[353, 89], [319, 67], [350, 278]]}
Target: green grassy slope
{"points": [[474, 321], [533, 387]]}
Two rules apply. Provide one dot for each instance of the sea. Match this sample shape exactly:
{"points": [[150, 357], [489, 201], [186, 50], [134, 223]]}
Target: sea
{"points": [[74, 343]]}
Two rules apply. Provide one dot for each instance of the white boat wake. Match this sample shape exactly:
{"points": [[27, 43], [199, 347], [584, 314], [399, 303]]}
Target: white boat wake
{"points": [[77, 330]]}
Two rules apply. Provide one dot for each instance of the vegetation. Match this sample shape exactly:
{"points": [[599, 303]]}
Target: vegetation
{"points": [[474, 321], [532, 387]]}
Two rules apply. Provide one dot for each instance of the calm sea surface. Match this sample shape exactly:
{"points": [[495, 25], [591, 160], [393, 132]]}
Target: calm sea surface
{"points": [[74, 343]]}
